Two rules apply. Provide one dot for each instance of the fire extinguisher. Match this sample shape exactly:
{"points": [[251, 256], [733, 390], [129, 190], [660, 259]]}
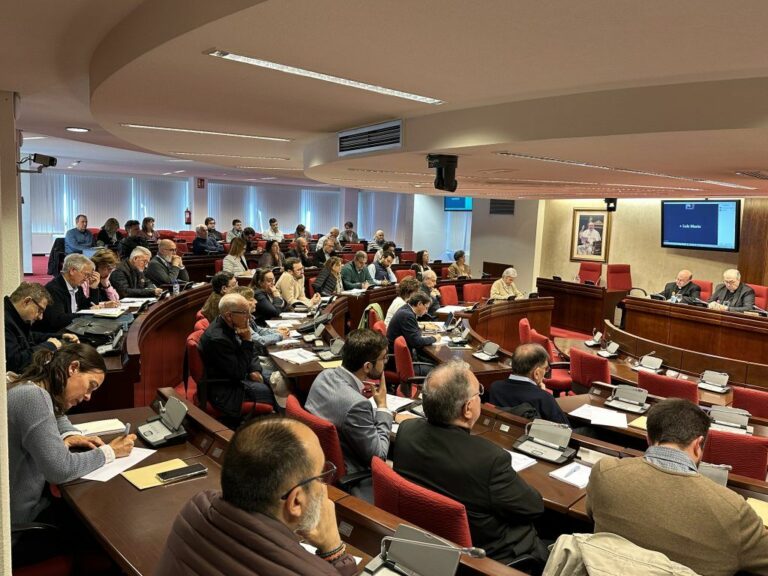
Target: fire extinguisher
{"points": [[187, 217]]}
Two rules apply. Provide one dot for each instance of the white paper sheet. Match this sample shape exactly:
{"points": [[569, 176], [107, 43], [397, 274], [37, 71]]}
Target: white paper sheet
{"points": [[280, 323], [109, 471], [99, 427], [521, 461], [293, 315], [287, 342], [447, 309], [296, 356], [394, 402], [605, 417], [583, 411]]}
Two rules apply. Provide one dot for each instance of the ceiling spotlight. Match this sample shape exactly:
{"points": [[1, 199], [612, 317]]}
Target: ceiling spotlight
{"points": [[77, 129]]}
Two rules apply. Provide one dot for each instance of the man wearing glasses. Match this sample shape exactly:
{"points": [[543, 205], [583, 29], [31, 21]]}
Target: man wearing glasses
{"points": [[232, 372], [732, 295], [273, 495], [440, 454], [291, 285], [530, 365], [128, 278], [67, 296], [166, 267], [23, 307]]}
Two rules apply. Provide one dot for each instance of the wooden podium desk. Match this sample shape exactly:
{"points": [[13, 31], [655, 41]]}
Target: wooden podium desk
{"points": [[579, 307], [499, 321], [728, 334]]}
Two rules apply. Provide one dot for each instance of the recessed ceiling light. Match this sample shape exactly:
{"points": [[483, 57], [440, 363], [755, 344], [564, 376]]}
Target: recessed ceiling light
{"points": [[178, 171], [206, 132], [77, 129], [271, 168], [230, 156], [167, 173], [320, 76], [34, 138], [269, 178], [177, 160]]}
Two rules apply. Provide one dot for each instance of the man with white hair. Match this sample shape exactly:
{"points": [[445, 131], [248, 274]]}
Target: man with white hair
{"points": [[505, 287], [429, 287], [205, 243], [588, 238], [273, 495], [378, 241], [732, 295], [128, 278], [333, 235], [67, 296]]}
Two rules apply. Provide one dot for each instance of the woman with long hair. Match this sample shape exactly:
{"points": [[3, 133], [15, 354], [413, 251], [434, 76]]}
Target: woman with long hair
{"points": [[235, 262], [269, 303], [328, 282], [104, 262], [148, 230], [272, 257], [422, 264], [108, 236]]}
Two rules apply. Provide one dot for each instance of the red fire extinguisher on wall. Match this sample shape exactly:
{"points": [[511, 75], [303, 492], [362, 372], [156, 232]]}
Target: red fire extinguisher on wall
{"points": [[187, 217]]}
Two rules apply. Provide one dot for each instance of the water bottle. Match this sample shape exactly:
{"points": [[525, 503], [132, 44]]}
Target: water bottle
{"points": [[175, 287]]}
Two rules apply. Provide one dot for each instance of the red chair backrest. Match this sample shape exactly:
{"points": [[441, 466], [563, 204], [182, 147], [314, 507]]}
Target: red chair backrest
{"points": [[194, 362], [373, 318], [188, 235], [218, 265], [407, 256], [370, 257], [448, 295], [347, 256], [524, 330], [403, 360], [706, 288], [354, 247], [755, 401], [427, 509], [591, 271], [202, 324], [199, 315], [542, 340], [181, 247], [587, 368], [94, 232], [166, 234], [473, 292], [666, 387], [619, 277], [380, 327], [289, 236], [325, 431], [400, 274], [444, 272], [761, 295], [747, 454]]}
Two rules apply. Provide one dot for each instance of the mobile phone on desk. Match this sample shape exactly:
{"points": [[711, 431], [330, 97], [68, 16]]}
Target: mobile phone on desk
{"points": [[182, 473]]}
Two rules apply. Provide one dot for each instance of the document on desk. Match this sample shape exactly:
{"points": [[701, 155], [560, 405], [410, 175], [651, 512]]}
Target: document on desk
{"points": [[761, 508], [101, 427], [135, 301], [146, 476], [287, 342], [584, 411], [447, 309], [394, 403], [296, 356], [280, 323], [330, 364], [353, 292], [641, 422], [104, 312], [605, 417], [521, 461], [293, 315], [120, 465], [574, 474]]}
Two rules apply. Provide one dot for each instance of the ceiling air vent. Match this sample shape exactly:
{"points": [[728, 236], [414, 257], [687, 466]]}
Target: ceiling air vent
{"points": [[384, 136], [759, 174]]}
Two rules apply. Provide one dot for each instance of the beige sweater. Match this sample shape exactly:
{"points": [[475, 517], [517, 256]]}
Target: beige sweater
{"points": [[291, 289], [501, 291], [692, 520]]}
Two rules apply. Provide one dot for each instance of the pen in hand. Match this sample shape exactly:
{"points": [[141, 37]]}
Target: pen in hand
{"points": [[127, 429]]}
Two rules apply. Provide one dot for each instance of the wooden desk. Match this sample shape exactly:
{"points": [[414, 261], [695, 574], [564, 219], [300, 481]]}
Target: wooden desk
{"points": [[486, 372], [499, 321], [577, 306], [729, 334]]}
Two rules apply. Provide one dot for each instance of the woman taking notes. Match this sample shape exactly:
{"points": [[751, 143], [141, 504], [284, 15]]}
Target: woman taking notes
{"points": [[40, 438]]}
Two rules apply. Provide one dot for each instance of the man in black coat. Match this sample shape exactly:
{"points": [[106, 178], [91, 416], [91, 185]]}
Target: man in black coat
{"points": [[232, 374], [682, 289], [404, 323], [128, 278], [132, 239], [732, 295], [440, 454], [67, 296], [530, 363]]}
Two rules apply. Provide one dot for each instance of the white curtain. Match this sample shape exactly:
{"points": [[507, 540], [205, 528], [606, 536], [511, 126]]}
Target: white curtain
{"points": [[458, 233], [387, 211], [320, 210], [164, 199]]}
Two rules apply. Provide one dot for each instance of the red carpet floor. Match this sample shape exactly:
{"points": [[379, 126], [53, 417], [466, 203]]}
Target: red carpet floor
{"points": [[39, 270]]}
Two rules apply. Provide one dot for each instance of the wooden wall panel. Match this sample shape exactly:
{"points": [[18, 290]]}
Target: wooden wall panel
{"points": [[753, 256]]}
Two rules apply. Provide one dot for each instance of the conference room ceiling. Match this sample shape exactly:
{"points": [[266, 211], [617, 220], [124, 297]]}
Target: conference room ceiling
{"points": [[540, 99]]}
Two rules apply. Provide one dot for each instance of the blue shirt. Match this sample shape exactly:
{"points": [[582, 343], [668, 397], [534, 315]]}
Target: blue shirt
{"points": [[75, 241]]}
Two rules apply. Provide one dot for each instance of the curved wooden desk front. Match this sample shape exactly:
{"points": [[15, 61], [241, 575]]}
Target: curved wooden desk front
{"points": [[499, 321]]}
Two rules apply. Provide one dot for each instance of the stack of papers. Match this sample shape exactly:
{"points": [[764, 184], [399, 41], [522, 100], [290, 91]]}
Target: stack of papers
{"points": [[521, 461], [394, 403], [296, 356], [101, 427], [447, 309], [105, 312], [287, 342], [293, 315], [137, 301], [280, 323], [601, 416], [109, 471], [574, 474]]}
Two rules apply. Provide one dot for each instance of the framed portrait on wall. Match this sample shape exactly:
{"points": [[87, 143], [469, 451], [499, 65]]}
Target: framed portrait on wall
{"points": [[590, 234]]}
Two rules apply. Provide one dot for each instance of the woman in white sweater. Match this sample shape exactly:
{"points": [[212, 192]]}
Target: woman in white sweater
{"points": [[234, 262]]}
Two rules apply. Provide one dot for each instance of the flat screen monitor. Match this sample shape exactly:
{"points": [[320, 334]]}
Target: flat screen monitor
{"points": [[457, 204], [701, 224]]}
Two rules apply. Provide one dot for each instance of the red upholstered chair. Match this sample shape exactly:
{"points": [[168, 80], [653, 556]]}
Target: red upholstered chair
{"points": [[448, 295], [199, 315], [94, 232], [289, 236], [587, 368], [524, 330], [310, 288], [56, 566], [666, 387], [202, 324], [619, 277], [444, 272], [754, 401], [747, 454], [188, 235], [347, 256], [404, 365], [560, 381], [400, 274], [407, 257], [706, 288], [370, 257], [427, 509], [761, 295], [392, 377], [182, 247], [590, 271], [373, 318], [223, 236], [218, 265], [473, 292], [316, 236], [261, 244], [354, 247], [166, 234]]}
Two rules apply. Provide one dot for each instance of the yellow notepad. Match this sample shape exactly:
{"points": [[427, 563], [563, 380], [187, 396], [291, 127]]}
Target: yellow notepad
{"points": [[144, 478], [760, 507], [641, 422], [331, 364]]}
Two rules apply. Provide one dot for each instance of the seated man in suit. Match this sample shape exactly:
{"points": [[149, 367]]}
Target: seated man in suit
{"points": [[269, 502], [662, 503], [302, 253], [205, 243], [732, 295], [231, 373], [79, 237], [405, 323], [324, 251], [337, 396], [67, 295], [530, 363], [166, 267], [332, 235], [440, 454], [128, 278], [355, 275], [132, 239], [210, 226], [682, 289], [429, 287]]}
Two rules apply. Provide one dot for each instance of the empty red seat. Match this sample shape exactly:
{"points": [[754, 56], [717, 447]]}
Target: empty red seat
{"points": [[166, 234], [473, 292], [666, 387], [524, 330], [761, 295], [754, 401], [590, 271], [448, 295], [706, 288], [400, 274], [407, 257], [587, 368], [748, 455]]}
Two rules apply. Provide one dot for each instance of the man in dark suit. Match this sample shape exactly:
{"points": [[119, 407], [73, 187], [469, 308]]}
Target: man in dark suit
{"points": [[167, 266], [682, 289], [732, 295], [404, 323], [440, 454], [530, 362], [302, 253], [429, 287], [67, 295], [128, 278], [324, 251], [231, 373], [132, 240]]}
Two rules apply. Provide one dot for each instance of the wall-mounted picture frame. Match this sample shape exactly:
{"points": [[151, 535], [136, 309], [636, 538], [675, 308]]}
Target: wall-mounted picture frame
{"points": [[590, 235]]}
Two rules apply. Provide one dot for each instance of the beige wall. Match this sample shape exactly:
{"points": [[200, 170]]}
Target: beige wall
{"points": [[635, 240]]}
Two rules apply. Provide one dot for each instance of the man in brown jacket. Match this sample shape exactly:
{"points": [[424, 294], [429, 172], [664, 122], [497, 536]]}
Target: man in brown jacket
{"points": [[273, 495], [662, 503]]}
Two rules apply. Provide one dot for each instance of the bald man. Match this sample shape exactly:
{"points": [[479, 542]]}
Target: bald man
{"points": [[732, 295], [166, 267], [682, 289]]}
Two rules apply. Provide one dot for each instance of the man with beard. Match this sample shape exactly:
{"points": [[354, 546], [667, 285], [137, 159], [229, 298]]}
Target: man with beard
{"points": [[273, 494], [166, 267]]}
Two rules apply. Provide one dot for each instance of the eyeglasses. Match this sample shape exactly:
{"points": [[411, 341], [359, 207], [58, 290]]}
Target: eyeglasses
{"points": [[480, 392], [239, 312], [326, 477], [40, 309]]}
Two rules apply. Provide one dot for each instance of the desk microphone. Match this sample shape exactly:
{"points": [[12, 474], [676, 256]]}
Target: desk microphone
{"points": [[471, 551], [762, 311]]}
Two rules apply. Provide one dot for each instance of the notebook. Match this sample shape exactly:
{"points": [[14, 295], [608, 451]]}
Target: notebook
{"points": [[574, 474]]}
